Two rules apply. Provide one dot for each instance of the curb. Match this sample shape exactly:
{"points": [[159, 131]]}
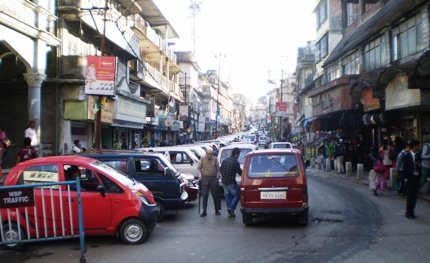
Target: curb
{"points": [[364, 181]]}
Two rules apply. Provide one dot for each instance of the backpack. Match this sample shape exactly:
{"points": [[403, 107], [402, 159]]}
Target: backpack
{"points": [[399, 163]]}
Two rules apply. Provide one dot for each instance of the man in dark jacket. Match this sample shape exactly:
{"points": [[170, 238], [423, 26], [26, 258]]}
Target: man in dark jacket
{"points": [[229, 168], [411, 178]]}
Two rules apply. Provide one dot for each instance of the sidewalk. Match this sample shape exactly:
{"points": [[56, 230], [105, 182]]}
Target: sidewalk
{"points": [[363, 179]]}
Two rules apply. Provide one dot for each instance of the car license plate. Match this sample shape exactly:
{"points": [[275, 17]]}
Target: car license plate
{"points": [[273, 195]]}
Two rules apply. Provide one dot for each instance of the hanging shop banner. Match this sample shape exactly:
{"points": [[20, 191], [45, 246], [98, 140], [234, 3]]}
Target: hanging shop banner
{"points": [[281, 109], [100, 75]]}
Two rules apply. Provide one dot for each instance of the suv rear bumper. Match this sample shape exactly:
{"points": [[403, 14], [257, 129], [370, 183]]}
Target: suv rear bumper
{"points": [[274, 211]]}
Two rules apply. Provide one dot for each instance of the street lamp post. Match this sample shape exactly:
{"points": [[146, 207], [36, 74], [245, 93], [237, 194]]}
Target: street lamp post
{"points": [[219, 56]]}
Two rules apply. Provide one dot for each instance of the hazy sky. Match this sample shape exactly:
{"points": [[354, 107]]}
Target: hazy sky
{"points": [[258, 38]]}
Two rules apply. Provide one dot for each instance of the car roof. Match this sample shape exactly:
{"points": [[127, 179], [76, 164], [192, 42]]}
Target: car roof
{"points": [[118, 153], [240, 146], [275, 151]]}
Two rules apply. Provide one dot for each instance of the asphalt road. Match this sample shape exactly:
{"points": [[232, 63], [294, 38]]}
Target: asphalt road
{"points": [[346, 224]]}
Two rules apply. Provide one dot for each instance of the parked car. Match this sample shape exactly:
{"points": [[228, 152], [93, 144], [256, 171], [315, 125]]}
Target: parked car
{"points": [[182, 158], [280, 145], [225, 152], [171, 188], [274, 183], [262, 141], [112, 203]]}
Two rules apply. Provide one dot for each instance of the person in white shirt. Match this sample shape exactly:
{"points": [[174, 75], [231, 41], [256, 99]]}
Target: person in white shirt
{"points": [[30, 132]]}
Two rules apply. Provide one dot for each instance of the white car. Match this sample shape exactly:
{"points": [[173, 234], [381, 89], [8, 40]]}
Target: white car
{"points": [[225, 152], [281, 145], [182, 158], [262, 141]]}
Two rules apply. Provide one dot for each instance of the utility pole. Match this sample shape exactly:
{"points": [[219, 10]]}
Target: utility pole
{"points": [[281, 117], [195, 7], [98, 124]]}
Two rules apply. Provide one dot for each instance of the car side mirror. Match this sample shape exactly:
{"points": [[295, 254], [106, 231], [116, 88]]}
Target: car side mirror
{"points": [[101, 188]]}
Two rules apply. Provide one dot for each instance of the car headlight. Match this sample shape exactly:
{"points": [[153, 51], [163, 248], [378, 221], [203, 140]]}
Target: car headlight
{"points": [[143, 198]]}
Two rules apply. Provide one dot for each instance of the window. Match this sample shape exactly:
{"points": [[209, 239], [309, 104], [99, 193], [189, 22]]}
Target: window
{"points": [[321, 13], [332, 73], [322, 48], [351, 64], [39, 174], [352, 8], [375, 54], [276, 165], [408, 38]]}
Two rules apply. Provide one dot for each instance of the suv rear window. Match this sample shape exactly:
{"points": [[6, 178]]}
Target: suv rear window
{"points": [[273, 165]]}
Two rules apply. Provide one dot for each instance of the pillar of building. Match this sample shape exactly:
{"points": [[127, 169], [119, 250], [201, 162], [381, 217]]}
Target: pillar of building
{"points": [[34, 83]]}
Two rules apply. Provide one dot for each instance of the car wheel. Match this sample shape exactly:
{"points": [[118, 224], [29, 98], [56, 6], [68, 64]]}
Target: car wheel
{"points": [[303, 219], [247, 219], [160, 215], [133, 231], [11, 234]]}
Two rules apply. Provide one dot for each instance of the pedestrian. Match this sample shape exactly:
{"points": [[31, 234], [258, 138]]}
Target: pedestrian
{"points": [[4, 143], [376, 174], [229, 168], [209, 168], [330, 153], [31, 133], [400, 185], [26, 152], [411, 175], [387, 153], [339, 152], [77, 148]]}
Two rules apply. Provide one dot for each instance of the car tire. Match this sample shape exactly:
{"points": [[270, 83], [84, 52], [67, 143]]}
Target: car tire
{"points": [[247, 219], [133, 231], [161, 212], [11, 234], [303, 219]]}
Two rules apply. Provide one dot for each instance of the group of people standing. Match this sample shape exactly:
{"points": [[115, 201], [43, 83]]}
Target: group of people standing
{"points": [[27, 150], [210, 170], [407, 162]]}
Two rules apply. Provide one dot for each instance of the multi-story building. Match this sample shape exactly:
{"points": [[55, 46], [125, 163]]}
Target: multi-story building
{"points": [[143, 106], [191, 105], [239, 116], [28, 37], [374, 81], [386, 47]]}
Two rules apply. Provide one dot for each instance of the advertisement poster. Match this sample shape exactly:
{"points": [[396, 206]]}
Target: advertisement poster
{"points": [[100, 76]]}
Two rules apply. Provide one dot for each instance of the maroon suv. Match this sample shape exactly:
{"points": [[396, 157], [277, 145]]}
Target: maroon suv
{"points": [[274, 182]]}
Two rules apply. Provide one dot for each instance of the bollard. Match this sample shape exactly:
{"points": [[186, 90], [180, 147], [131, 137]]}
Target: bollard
{"points": [[327, 164], [348, 168], [360, 171]]}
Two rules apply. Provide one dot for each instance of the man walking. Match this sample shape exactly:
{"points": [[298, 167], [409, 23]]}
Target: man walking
{"points": [[229, 168], [209, 168], [411, 178]]}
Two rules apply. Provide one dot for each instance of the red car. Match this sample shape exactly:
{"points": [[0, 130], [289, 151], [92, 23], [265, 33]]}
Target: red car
{"points": [[112, 204], [274, 182]]}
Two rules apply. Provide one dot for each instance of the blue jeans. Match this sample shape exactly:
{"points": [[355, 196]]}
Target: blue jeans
{"points": [[231, 195]]}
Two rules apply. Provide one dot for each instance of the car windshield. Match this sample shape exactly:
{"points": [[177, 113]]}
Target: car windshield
{"points": [[273, 165], [116, 174], [227, 153]]}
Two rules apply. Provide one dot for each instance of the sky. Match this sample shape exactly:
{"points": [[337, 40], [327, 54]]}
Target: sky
{"points": [[250, 41]]}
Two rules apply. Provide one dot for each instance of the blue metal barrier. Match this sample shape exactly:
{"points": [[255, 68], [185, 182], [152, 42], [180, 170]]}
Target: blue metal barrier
{"points": [[19, 225]]}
